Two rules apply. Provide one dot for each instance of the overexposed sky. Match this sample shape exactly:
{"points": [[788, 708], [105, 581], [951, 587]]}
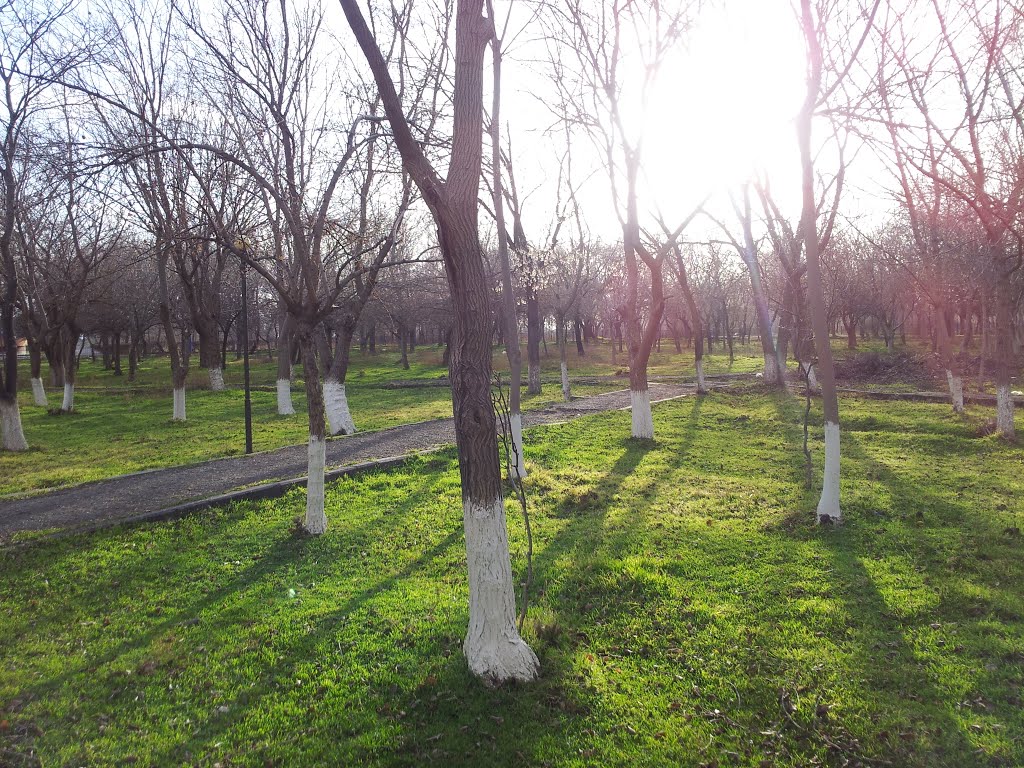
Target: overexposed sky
{"points": [[721, 108]]}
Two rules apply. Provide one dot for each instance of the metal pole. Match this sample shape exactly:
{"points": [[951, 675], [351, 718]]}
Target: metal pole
{"points": [[245, 362]]}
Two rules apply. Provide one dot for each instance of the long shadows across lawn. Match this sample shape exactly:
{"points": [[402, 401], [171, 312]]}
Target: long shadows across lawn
{"points": [[685, 609]]}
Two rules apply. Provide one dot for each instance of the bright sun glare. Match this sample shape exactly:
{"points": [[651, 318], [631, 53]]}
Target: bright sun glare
{"points": [[724, 106]]}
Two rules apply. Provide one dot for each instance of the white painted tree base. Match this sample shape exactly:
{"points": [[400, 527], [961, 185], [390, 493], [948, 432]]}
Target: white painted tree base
{"points": [[956, 391], [517, 466], [68, 405], [828, 505], [533, 379], [316, 520], [1004, 412], [812, 378], [284, 398], [494, 650], [339, 420], [11, 433], [39, 393], [566, 389], [702, 384], [771, 370], [217, 379], [179, 404], [643, 420]]}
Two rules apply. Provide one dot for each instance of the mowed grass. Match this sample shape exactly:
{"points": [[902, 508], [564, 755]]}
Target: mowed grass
{"points": [[118, 428], [684, 608]]}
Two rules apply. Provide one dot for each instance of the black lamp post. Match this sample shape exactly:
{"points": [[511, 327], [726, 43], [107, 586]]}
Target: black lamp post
{"points": [[245, 351]]}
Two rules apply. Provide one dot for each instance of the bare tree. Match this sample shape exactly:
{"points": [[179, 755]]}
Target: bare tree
{"points": [[818, 94], [31, 56], [747, 248], [973, 159], [68, 232], [601, 43], [493, 647]]}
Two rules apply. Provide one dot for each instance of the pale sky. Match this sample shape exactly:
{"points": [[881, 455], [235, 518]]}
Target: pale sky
{"points": [[723, 106]]}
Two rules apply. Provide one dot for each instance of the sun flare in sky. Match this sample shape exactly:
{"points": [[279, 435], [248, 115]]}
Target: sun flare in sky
{"points": [[723, 107], [720, 109]]}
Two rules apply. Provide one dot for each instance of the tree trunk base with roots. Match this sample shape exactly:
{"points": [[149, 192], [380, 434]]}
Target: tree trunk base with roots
{"points": [[643, 420], [517, 461], [339, 419], [828, 505], [179, 404], [316, 521], [771, 371], [702, 384], [566, 389], [217, 379], [1004, 412], [11, 432], [39, 393], [284, 398], [494, 650], [956, 391], [68, 404]]}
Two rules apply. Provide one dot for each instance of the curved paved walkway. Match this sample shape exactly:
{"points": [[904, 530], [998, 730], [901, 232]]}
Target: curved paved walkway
{"points": [[146, 494]]}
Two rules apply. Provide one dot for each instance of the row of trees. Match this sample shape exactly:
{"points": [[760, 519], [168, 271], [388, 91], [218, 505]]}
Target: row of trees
{"points": [[154, 149]]}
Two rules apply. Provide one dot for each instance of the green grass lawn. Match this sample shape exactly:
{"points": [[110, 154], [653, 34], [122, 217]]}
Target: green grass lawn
{"points": [[685, 611], [118, 428]]}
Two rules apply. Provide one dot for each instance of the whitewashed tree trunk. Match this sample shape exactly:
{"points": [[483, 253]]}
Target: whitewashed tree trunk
{"points": [[316, 520], [702, 384], [566, 389], [339, 420], [828, 505], [284, 398], [68, 405], [517, 466], [39, 393], [493, 647], [217, 379], [643, 420], [956, 390], [179, 404], [1004, 412], [11, 432], [771, 370], [812, 377], [532, 378]]}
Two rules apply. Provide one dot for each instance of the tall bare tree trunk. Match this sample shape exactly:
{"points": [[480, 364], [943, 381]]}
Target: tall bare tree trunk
{"points": [[35, 355], [284, 367], [316, 519], [1004, 359], [828, 505], [12, 436], [560, 335], [534, 329], [177, 353], [493, 648], [517, 462], [953, 377], [696, 323], [339, 418]]}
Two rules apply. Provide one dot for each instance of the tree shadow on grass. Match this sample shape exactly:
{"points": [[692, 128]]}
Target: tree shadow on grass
{"points": [[899, 640], [240, 597], [889, 653], [320, 644]]}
